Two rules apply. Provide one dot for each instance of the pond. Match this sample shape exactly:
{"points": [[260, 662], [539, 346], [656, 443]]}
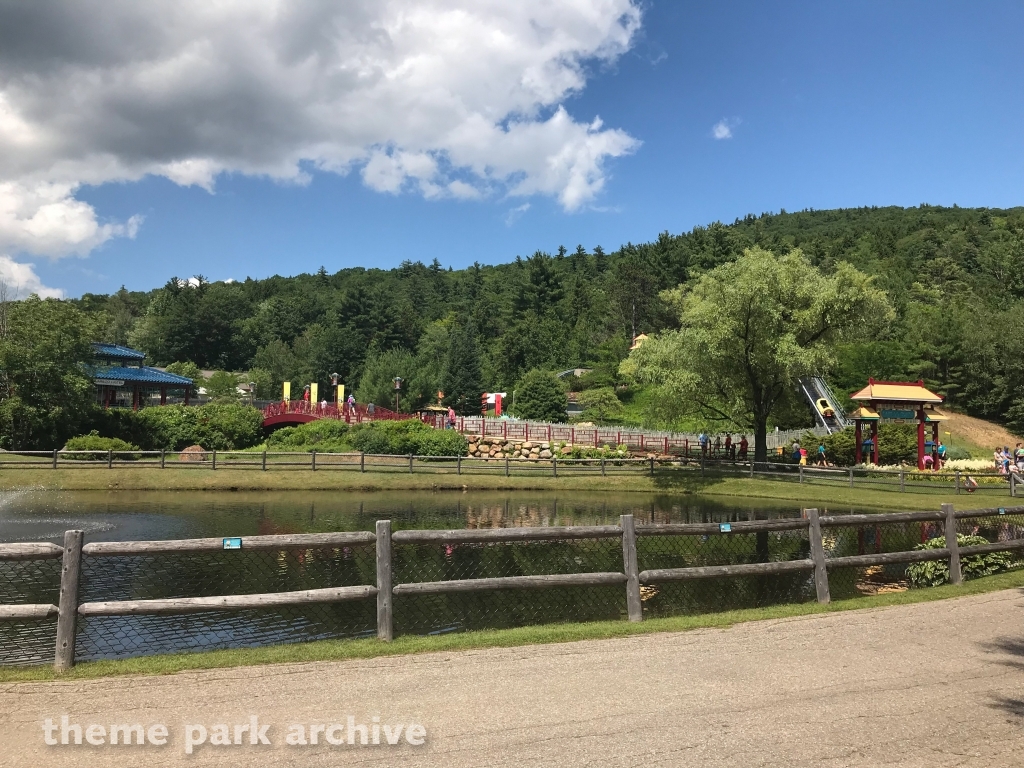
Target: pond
{"points": [[119, 515]]}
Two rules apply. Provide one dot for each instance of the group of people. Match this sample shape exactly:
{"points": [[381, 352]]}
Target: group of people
{"points": [[801, 456], [1010, 462], [724, 449]]}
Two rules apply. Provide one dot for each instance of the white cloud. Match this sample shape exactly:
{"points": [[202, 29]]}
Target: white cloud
{"points": [[21, 280], [723, 128], [515, 214], [448, 98]]}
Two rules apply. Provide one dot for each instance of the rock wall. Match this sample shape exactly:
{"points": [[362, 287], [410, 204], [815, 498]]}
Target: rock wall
{"points": [[499, 448]]}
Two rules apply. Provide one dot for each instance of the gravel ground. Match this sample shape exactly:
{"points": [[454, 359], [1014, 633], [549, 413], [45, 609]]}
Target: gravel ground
{"points": [[932, 684]]}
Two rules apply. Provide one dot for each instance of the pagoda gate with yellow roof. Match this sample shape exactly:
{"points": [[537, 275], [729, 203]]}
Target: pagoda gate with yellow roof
{"points": [[896, 402]]}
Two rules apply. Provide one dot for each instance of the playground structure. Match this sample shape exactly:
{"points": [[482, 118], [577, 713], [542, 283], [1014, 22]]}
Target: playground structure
{"points": [[896, 402]]}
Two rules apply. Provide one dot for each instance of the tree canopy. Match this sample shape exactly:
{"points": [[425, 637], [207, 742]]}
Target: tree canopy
{"points": [[749, 329]]}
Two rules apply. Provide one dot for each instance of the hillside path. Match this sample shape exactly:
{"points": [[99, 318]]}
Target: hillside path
{"points": [[934, 684]]}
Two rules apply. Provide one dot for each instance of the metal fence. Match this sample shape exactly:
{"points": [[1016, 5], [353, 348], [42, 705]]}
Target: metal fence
{"points": [[119, 599]]}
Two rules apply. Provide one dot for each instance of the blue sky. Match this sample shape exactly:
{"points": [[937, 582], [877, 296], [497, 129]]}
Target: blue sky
{"points": [[818, 105]]}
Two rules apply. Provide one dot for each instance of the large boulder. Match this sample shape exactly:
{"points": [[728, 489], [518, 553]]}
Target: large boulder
{"points": [[193, 453]]}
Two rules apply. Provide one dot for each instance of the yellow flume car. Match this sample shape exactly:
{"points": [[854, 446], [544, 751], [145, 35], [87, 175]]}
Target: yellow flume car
{"points": [[825, 409]]}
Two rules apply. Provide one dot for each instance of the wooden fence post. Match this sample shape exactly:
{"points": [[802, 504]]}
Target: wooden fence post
{"points": [[410, 463], [313, 461], [602, 468], [851, 477], [801, 471], [163, 458], [458, 465], [213, 454], [264, 463], [554, 467], [67, 613], [1013, 484], [362, 461], [506, 465], [956, 480], [818, 556], [903, 478], [384, 598], [54, 458], [110, 458], [652, 466], [634, 607], [955, 576]]}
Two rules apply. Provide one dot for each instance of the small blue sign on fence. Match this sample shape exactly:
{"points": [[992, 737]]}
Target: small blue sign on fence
{"points": [[1002, 510], [725, 528], [233, 542]]}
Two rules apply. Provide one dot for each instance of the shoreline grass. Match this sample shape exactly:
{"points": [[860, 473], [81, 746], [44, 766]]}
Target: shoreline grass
{"points": [[342, 650], [670, 482]]}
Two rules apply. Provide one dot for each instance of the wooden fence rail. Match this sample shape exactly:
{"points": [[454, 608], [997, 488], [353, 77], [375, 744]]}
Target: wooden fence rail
{"points": [[817, 564], [900, 480]]}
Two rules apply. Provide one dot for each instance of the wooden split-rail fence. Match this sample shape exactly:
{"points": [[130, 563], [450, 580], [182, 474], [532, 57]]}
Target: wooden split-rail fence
{"points": [[69, 609]]}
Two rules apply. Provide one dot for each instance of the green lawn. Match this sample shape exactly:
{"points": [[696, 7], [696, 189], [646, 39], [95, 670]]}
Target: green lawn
{"points": [[671, 481], [339, 650]]}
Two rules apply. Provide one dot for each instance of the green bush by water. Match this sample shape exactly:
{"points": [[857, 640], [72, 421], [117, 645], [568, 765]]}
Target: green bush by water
{"points": [[936, 572], [93, 442], [394, 438]]}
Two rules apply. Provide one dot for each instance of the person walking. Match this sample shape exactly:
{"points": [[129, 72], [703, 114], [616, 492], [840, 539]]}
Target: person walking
{"points": [[451, 418], [352, 404], [370, 410], [821, 454], [729, 448], [803, 457], [743, 447]]}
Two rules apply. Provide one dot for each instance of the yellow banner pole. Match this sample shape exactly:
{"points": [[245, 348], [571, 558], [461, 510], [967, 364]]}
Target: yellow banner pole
{"points": [[312, 392], [287, 391]]}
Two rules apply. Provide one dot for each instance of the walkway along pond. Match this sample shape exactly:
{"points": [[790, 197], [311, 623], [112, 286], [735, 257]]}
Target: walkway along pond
{"points": [[124, 598]]}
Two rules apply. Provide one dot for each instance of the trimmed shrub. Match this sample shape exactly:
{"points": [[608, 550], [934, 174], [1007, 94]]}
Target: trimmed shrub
{"points": [[404, 437], [936, 572], [93, 442], [214, 427], [442, 442], [326, 435]]}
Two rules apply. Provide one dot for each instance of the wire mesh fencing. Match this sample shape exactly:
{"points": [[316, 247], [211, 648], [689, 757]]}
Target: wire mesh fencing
{"points": [[709, 595], [28, 581], [213, 573], [455, 611]]}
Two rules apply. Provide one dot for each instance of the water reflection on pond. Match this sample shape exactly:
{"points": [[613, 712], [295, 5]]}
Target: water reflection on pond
{"points": [[121, 515], [118, 515]]}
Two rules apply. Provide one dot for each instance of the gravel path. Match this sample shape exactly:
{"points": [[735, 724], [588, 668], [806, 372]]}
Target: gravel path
{"points": [[935, 684]]}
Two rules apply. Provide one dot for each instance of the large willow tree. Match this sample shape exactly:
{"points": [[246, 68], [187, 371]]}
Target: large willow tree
{"points": [[749, 329]]}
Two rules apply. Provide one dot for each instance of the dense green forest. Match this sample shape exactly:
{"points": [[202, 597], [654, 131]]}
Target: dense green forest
{"points": [[954, 275]]}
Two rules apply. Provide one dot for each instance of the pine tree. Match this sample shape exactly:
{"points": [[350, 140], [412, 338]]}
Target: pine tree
{"points": [[462, 378]]}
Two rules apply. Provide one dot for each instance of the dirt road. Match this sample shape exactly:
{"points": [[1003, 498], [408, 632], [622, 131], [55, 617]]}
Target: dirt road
{"points": [[937, 684]]}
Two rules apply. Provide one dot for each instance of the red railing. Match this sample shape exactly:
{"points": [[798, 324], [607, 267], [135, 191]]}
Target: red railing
{"points": [[330, 411]]}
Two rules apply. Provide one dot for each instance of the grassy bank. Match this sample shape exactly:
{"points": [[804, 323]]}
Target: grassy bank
{"points": [[664, 481], [339, 650]]}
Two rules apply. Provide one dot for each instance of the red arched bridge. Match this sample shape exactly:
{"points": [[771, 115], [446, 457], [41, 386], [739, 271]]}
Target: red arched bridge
{"points": [[290, 414]]}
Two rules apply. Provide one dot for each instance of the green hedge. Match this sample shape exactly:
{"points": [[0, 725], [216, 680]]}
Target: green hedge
{"points": [[327, 435], [214, 427], [93, 442], [403, 437]]}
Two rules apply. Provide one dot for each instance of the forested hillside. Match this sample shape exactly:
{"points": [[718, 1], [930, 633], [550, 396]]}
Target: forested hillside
{"points": [[954, 275]]}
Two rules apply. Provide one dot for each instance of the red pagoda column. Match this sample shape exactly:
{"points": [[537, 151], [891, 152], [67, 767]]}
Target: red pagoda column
{"points": [[163, 395], [858, 448], [874, 443]]}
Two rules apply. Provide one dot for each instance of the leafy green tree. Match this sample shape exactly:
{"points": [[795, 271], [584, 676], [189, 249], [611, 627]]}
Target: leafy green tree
{"points": [[187, 369], [222, 384], [45, 389], [462, 382], [599, 404], [377, 382], [541, 396], [749, 330]]}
